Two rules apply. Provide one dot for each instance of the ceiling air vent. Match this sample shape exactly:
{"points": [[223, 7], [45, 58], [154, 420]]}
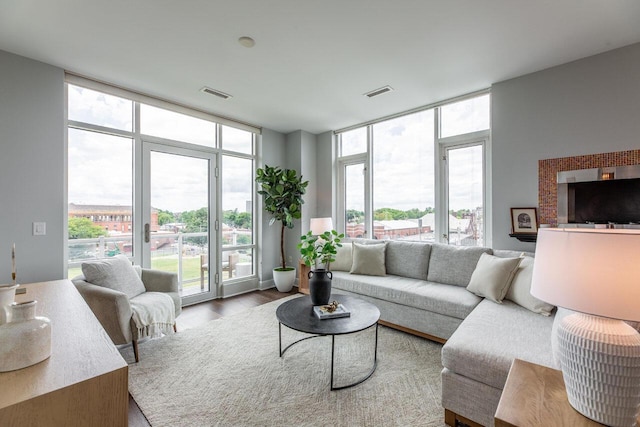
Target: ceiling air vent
{"points": [[380, 91], [215, 93]]}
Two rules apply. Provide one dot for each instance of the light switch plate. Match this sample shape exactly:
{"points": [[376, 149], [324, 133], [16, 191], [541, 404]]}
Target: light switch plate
{"points": [[39, 228]]}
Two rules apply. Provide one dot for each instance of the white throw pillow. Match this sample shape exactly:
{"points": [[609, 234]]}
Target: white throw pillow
{"points": [[369, 259], [115, 273], [492, 277], [344, 258], [520, 290]]}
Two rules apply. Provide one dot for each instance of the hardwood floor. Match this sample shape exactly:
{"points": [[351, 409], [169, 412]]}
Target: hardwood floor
{"points": [[196, 315]]}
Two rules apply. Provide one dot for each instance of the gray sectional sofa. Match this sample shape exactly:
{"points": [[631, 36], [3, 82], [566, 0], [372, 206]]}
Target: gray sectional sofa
{"points": [[421, 288]]}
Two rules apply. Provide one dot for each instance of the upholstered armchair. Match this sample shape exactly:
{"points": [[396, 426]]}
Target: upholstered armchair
{"points": [[130, 310]]}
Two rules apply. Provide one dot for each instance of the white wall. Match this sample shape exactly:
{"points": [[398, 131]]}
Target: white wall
{"points": [[271, 151], [325, 173], [301, 156], [588, 106], [32, 172]]}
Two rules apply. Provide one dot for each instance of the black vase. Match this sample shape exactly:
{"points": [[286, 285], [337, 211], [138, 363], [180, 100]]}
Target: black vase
{"points": [[320, 286]]}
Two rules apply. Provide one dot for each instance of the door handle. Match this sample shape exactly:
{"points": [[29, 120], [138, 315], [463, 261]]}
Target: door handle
{"points": [[147, 233]]}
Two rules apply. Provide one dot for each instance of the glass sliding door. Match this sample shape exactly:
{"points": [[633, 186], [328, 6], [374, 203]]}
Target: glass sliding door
{"points": [[465, 194], [178, 206]]}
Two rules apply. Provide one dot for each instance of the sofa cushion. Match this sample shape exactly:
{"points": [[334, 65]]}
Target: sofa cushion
{"points": [[408, 259], [453, 265], [115, 273], [492, 277], [368, 259], [447, 300], [520, 289], [492, 336], [344, 258]]}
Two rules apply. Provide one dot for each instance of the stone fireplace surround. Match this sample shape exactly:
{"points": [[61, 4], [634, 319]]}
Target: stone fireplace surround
{"points": [[548, 170]]}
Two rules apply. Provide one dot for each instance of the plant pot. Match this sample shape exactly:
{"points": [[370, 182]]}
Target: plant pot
{"points": [[320, 286], [284, 279]]}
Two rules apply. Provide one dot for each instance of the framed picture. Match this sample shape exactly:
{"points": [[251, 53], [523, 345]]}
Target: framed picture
{"points": [[524, 220]]}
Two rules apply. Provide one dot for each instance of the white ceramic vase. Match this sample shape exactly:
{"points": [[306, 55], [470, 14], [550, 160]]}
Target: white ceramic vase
{"points": [[7, 295], [26, 339]]}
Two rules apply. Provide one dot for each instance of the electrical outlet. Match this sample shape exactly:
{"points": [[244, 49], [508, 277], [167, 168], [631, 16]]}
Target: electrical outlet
{"points": [[290, 260]]}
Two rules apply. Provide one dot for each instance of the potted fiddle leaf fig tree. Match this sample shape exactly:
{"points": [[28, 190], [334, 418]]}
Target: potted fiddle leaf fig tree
{"points": [[318, 252], [282, 190]]}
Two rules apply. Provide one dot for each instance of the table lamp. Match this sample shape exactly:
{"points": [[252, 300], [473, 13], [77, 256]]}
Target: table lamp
{"points": [[320, 225], [597, 274]]}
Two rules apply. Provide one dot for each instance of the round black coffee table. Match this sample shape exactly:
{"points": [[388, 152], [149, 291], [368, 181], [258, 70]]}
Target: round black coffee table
{"points": [[298, 314]]}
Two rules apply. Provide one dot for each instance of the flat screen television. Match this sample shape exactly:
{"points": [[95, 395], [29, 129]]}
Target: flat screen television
{"points": [[616, 201]]}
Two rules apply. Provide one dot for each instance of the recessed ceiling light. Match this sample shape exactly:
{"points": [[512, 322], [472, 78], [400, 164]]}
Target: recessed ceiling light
{"points": [[246, 41], [379, 91]]}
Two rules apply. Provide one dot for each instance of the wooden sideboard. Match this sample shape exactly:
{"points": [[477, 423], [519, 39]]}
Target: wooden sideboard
{"points": [[83, 383]]}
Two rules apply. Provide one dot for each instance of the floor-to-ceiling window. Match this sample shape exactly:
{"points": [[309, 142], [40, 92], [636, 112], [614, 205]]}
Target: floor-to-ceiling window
{"points": [[170, 188], [417, 176]]}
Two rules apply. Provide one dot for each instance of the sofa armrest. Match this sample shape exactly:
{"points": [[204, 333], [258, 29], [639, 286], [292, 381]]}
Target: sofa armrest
{"points": [[112, 308], [159, 281]]}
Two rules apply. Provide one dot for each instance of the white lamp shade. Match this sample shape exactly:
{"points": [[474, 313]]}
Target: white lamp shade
{"points": [[591, 271], [320, 225]]}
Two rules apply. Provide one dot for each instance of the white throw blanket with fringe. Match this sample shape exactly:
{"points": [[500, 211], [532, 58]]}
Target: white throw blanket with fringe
{"points": [[153, 314]]}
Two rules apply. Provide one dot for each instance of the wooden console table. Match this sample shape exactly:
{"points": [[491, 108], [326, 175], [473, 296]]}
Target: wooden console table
{"points": [[535, 396], [83, 383]]}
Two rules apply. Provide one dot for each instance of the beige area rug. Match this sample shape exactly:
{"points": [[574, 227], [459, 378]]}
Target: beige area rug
{"points": [[228, 373]]}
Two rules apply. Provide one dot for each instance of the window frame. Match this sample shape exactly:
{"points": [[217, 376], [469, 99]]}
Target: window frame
{"points": [[441, 145], [226, 287]]}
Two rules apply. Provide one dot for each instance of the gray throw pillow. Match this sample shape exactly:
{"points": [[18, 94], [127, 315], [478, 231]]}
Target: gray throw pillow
{"points": [[368, 259], [520, 290], [344, 258], [407, 259], [492, 277], [115, 273], [453, 265]]}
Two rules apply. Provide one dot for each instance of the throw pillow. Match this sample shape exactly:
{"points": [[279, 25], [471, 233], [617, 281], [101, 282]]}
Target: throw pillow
{"points": [[407, 259], [453, 265], [115, 273], [344, 258], [520, 290], [368, 260], [492, 277]]}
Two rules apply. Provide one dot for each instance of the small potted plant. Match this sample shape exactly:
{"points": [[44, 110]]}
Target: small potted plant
{"points": [[318, 252], [282, 190]]}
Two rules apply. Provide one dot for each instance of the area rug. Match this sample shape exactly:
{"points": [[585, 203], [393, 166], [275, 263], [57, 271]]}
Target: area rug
{"points": [[228, 373]]}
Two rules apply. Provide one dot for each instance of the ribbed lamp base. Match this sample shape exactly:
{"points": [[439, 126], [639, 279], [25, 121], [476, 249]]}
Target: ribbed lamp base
{"points": [[600, 361]]}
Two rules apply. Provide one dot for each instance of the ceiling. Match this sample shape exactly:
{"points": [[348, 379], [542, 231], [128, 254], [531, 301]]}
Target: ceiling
{"points": [[312, 60]]}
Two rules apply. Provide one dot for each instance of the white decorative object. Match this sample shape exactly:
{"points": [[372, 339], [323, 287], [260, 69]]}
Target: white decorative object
{"points": [[597, 273], [7, 296], [284, 280], [26, 340]]}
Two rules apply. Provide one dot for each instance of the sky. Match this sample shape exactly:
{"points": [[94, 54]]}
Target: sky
{"points": [[404, 164], [101, 165]]}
